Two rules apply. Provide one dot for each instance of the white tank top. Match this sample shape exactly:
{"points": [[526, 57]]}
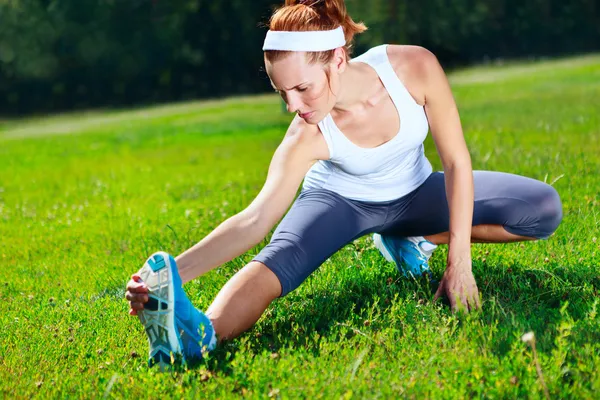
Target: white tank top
{"points": [[382, 173]]}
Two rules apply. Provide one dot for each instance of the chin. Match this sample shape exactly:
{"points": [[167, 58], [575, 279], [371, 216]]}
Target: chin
{"points": [[313, 119]]}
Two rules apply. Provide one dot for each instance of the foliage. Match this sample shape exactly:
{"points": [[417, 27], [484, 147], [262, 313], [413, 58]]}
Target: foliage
{"points": [[66, 54]]}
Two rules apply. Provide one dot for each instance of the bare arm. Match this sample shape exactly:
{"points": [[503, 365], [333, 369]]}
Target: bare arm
{"points": [[447, 133], [239, 233], [446, 130]]}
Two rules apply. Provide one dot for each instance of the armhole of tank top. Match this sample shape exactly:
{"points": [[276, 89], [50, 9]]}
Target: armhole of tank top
{"points": [[406, 95], [327, 136], [398, 92]]}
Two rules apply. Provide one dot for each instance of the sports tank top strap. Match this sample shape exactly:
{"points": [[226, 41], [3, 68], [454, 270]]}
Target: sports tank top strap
{"points": [[378, 59], [326, 130], [383, 173]]}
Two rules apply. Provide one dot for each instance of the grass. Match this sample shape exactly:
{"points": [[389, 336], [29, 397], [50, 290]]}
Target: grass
{"points": [[85, 198]]}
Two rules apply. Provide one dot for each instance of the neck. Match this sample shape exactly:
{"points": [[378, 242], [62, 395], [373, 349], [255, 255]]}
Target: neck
{"points": [[354, 90]]}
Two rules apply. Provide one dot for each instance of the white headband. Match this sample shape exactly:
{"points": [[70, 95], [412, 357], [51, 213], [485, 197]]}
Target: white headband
{"points": [[305, 41]]}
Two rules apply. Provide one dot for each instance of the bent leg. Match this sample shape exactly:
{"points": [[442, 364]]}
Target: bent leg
{"points": [[507, 207], [482, 234]]}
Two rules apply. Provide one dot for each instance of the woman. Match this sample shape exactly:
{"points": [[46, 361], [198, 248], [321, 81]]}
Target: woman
{"points": [[357, 143]]}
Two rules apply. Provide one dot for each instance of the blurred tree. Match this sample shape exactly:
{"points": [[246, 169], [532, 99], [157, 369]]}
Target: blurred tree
{"points": [[64, 54]]}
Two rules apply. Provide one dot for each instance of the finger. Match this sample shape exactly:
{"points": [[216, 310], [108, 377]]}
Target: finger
{"points": [[468, 302], [136, 287], [454, 304], [478, 301], [136, 305], [473, 299], [460, 303], [464, 302], [132, 311], [134, 283], [140, 298], [136, 277], [439, 292]]}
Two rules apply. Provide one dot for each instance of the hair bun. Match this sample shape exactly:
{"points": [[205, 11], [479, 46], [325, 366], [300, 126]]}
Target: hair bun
{"points": [[308, 3], [317, 15]]}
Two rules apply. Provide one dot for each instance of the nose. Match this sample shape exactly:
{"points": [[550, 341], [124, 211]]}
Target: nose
{"points": [[293, 103]]}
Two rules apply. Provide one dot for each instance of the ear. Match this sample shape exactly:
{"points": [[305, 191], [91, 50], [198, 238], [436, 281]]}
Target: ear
{"points": [[339, 60]]}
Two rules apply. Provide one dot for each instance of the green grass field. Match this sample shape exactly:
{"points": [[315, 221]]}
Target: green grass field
{"points": [[86, 197]]}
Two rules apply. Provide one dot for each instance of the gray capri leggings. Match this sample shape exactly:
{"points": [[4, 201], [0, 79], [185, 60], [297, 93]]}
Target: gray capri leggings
{"points": [[320, 222]]}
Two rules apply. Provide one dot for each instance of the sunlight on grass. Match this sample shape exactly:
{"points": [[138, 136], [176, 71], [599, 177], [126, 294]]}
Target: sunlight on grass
{"points": [[85, 198]]}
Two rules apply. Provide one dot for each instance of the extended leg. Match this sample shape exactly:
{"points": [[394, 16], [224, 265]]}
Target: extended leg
{"points": [[243, 299], [318, 224]]}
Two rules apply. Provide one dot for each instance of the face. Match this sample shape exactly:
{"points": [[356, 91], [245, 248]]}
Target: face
{"points": [[304, 87]]}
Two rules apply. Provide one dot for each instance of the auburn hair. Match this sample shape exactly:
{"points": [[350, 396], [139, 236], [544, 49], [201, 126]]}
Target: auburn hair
{"points": [[314, 15]]}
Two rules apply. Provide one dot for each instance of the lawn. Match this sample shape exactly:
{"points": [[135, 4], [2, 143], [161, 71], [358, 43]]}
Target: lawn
{"points": [[86, 197]]}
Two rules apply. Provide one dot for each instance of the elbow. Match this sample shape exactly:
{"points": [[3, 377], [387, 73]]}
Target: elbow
{"points": [[256, 225], [458, 165]]}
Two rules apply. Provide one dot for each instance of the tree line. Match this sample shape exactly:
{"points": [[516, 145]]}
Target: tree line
{"points": [[69, 54]]}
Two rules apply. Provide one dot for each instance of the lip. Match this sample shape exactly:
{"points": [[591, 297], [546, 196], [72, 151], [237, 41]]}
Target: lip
{"points": [[309, 114]]}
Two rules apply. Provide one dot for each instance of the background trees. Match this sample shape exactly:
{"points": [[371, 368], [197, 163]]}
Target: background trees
{"points": [[66, 54]]}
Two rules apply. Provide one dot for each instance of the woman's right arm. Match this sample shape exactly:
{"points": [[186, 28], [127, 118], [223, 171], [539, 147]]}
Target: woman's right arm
{"points": [[301, 147], [239, 233], [298, 151]]}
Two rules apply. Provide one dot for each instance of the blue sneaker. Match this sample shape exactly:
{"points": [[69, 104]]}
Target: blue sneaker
{"points": [[175, 328], [411, 254]]}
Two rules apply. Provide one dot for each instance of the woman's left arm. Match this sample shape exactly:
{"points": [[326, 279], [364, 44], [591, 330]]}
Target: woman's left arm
{"points": [[458, 282]]}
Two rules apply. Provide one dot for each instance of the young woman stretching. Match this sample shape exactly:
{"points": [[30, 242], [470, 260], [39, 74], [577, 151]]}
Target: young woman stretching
{"points": [[357, 145]]}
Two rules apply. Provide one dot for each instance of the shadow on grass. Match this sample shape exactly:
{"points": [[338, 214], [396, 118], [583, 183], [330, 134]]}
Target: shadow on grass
{"points": [[517, 299], [291, 322], [521, 298]]}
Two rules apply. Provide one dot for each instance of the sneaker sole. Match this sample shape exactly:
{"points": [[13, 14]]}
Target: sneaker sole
{"points": [[158, 315]]}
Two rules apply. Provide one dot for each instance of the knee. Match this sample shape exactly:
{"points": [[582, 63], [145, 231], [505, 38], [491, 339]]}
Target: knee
{"points": [[242, 300], [550, 212], [269, 281]]}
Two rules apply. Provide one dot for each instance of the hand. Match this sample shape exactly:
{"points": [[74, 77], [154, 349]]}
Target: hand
{"points": [[137, 294], [459, 286]]}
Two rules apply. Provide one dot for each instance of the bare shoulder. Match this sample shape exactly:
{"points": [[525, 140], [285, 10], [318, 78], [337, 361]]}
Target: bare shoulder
{"points": [[307, 138], [414, 65], [415, 60]]}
